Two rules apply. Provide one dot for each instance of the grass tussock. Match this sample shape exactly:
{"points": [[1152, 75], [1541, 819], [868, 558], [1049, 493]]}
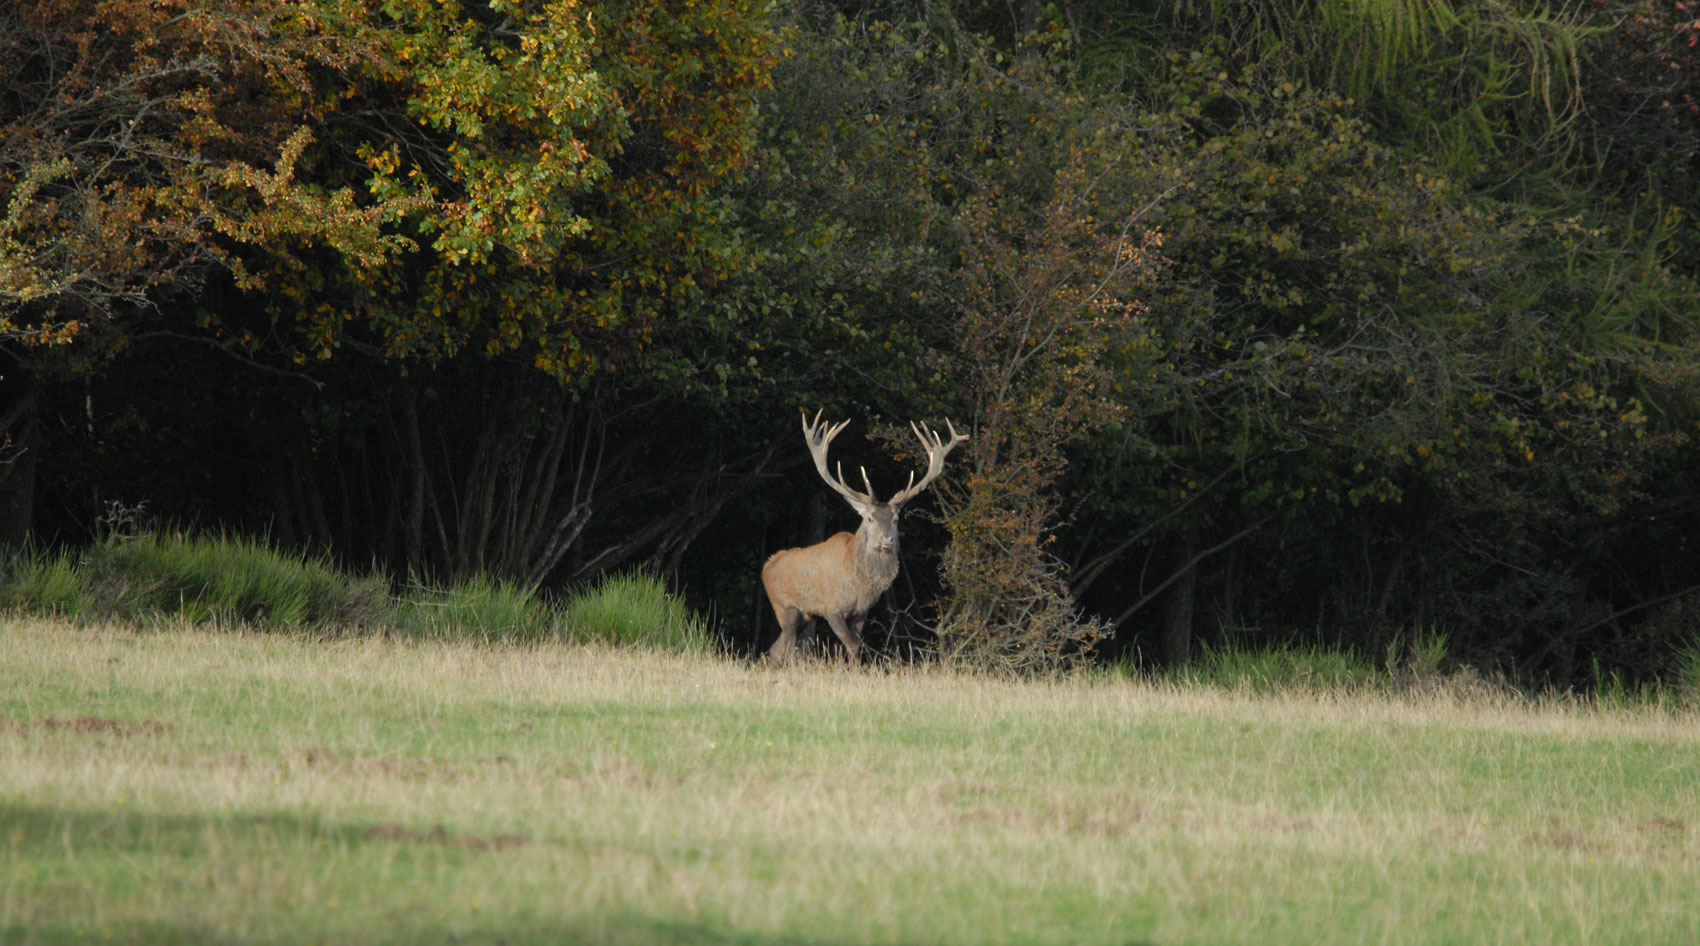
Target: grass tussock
{"points": [[156, 579], [1414, 665], [1688, 671], [479, 608], [635, 609], [1284, 669]]}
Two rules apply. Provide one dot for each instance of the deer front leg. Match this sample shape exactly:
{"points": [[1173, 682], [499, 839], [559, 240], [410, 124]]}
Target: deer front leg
{"points": [[849, 630]]}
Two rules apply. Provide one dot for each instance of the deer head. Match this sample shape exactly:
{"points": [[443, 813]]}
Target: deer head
{"points": [[841, 578]]}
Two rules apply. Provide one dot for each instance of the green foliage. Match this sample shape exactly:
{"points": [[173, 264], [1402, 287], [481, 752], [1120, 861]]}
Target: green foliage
{"points": [[1472, 84], [356, 196], [844, 214], [1349, 329], [421, 178], [542, 143], [1048, 298], [515, 106], [1349, 298], [635, 609], [1641, 87], [144, 143]]}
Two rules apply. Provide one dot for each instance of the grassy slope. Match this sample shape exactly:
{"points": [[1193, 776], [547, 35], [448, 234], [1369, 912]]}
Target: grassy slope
{"points": [[186, 786]]}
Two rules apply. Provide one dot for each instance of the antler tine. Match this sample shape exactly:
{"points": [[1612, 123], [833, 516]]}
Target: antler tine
{"points": [[812, 430], [936, 449], [865, 481], [818, 440]]}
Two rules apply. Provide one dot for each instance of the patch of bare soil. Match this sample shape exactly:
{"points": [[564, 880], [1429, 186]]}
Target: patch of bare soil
{"points": [[389, 831], [1562, 840], [1661, 836], [319, 757], [95, 725]]}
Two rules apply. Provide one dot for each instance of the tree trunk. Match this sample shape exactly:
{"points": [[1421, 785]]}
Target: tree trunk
{"points": [[18, 446], [1178, 605], [413, 460]]}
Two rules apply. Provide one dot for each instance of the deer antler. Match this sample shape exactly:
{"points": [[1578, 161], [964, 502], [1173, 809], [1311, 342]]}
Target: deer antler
{"points": [[819, 437], [936, 450]]}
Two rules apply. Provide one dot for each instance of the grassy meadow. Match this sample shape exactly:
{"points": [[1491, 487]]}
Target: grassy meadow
{"points": [[182, 785]]}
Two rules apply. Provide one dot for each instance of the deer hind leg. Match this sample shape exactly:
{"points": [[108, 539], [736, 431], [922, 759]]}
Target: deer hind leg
{"points": [[849, 630], [785, 647]]}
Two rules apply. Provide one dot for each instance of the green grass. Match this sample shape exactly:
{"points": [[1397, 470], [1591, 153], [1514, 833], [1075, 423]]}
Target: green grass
{"points": [[1413, 661], [635, 609], [185, 785], [155, 578], [1284, 669], [479, 608]]}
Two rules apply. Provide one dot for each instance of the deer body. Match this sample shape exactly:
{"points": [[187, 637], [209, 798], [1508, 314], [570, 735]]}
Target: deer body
{"points": [[841, 578]]}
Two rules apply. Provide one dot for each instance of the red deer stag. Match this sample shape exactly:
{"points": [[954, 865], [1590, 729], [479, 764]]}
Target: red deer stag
{"points": [[841, 578]]}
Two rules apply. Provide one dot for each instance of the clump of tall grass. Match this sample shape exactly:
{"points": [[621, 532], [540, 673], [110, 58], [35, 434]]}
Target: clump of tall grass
{"points": [[1309, 668], [635, 609], [1687, 672], [1412, 662], [44, 584], [152, 578], [479, 607]]}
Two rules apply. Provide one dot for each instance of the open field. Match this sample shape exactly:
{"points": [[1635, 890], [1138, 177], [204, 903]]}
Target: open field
{"points": [[199, 787]]}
